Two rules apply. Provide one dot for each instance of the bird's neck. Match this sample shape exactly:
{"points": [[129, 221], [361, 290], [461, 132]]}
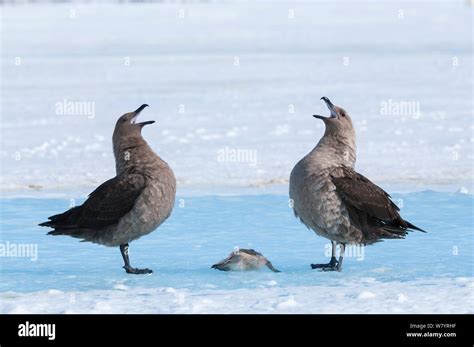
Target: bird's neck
{"points": [[134, 154], [336, 150]]}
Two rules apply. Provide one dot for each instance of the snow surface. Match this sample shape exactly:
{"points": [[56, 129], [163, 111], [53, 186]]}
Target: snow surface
{"points": [[441, 296], [182, 62], [430, 272], [242, 76]]}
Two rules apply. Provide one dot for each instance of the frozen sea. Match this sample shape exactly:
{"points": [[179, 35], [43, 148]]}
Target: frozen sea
{"points": [[424, 273], [237, 76]]}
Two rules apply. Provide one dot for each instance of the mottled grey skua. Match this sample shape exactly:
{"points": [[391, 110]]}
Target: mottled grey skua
{"points": [[132, 204], [335, 201]]}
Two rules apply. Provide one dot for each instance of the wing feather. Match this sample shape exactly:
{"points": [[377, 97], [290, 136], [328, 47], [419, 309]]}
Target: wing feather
{"points": [[106, 205], [370, 208]]}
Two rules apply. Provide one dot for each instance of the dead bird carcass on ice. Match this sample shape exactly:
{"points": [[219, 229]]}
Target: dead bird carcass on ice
{"points": [[244, 260]]}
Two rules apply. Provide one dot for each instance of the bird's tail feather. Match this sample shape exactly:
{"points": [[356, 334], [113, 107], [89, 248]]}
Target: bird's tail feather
{"points": [[270, 266], [65, 224], [389, 232], [69, 232], [396, 231], [414, 227], [63, 220], [84, 234], [220, 266]]}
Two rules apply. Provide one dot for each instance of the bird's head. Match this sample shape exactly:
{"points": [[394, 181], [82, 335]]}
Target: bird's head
{"points": [[339, 136], [127, 126], [338, 122]]}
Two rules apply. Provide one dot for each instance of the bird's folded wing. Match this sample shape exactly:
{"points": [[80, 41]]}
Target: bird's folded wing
{"points": [[360, 193], [110, 201]]}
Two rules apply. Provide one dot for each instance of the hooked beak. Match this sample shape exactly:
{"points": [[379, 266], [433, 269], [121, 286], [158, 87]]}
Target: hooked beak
{"points": [[140, 109], [137, 112], [331, 108]]}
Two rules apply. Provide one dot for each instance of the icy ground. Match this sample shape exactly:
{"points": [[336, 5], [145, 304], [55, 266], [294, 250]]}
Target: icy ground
{"points": [[240, 76], [430, 272], [366, 296], [237, 77]]}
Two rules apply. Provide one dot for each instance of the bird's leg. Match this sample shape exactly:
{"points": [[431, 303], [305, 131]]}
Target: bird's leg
{"points": [[128, 268], [332, 265], [341, 257]]}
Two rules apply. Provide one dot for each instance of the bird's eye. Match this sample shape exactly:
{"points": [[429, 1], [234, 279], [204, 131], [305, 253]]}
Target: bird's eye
{"points": [[124, 120], [343, 114]]}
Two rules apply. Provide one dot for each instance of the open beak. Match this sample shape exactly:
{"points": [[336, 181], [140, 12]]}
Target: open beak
{"points": [[137, 112], [331, 108]]}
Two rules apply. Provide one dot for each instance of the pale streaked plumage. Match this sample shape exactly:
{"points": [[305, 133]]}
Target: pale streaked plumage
{"points": [[336, 202]]}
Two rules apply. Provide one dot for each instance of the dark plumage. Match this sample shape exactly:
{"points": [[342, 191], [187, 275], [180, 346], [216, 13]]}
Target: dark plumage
{"points": [[370, 208], [105, 206], [132, 204]]}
